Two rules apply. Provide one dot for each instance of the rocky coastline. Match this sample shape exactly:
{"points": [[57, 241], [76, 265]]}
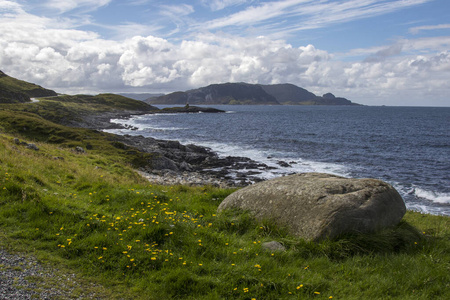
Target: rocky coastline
{"points": [[175, 163]]}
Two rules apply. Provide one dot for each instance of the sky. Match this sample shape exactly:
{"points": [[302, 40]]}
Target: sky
{"points": [[373, 52]]}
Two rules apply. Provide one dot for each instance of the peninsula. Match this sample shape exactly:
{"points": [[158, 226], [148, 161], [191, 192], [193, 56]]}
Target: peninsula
{"points": [[249, 94]]}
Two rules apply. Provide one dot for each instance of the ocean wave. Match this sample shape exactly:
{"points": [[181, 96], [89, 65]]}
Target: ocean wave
{"points": [[438, 197], [136, 124]]}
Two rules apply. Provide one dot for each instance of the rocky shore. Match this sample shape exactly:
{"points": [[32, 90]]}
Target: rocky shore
{"points": [[175, 163]]}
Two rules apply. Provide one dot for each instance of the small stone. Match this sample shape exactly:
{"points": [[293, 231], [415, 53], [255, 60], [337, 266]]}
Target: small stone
{"points": [[273, 246], [79, 149], [32, 147]]}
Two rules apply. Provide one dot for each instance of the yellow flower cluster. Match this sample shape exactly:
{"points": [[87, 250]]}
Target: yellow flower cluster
{"points": [[131, 232], [5, 179]]}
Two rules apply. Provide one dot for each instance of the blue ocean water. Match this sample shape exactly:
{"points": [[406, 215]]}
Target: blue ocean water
{"points": [[409, 147]]}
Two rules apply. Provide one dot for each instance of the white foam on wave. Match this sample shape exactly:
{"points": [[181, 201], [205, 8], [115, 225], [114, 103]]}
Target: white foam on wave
{"points": [[432, 195], [132, 122], [135, 124], [417, 198], [423, 194]]}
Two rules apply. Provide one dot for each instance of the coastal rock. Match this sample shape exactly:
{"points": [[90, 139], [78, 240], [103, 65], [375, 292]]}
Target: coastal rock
{"points": [[283, 164], [160, 162], [176, 157], [317, 206]]}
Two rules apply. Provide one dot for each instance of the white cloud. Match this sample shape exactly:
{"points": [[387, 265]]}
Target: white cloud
{"points": [[308, 14], [254, 14], [416, 30], [69, 5], [138, 2], [10, 7], [75, 61], [384, 53], [176, 10], [215, 5]]}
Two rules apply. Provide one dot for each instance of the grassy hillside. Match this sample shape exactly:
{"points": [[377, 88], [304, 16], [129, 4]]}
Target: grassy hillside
{"points": [[34, 128], [92, 214], [13, 90], [67, 109]]}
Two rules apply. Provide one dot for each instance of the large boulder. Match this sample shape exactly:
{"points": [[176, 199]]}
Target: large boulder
{"points": [[317, 206]]}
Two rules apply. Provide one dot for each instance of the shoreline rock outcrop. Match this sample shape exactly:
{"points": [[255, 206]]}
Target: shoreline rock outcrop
{"points": [[178, 163]]}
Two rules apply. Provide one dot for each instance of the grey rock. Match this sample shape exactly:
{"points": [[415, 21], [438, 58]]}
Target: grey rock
{"points": [[160, 162], [18, 142], [32, 147], [273, 246], [79, 149], [317, 206], [283, 164], [171, 155], [185, 166]]}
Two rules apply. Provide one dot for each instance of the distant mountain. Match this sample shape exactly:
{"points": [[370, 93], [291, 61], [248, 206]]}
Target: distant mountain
{"points": [[140, 96], [330, 99], [226, 93], [249, 94], [287, 93], [13, 90]]}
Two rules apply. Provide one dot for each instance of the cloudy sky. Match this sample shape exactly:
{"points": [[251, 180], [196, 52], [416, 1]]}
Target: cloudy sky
{"points": [[373, 52]]}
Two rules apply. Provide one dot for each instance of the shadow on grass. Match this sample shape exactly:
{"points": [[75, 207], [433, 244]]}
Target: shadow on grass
{"points": [[402, 238]]}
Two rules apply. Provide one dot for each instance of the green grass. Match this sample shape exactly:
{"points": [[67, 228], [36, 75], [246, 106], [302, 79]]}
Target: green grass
{"points": [[65, 109], [13, 90], [141, 241], [98, 144]]}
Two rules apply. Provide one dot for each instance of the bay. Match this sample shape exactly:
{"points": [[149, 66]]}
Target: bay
{"points": [[408, 147]]}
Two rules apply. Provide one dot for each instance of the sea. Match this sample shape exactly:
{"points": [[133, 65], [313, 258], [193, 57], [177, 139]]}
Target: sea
{"points": [[408, 147]]}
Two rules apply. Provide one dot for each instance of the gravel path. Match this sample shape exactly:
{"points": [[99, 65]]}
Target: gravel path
{"points": [[25, 278]]}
